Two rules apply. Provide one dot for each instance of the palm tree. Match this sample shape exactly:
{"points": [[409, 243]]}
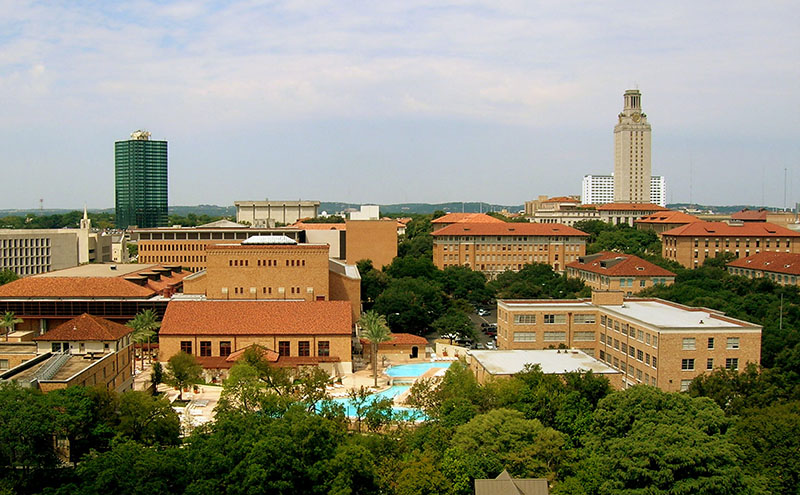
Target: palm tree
{"points": [[144, 327], [375, 330], [8, 322]]}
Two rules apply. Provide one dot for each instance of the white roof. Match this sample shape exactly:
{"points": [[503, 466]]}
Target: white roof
{"points": [[551, 361], [668, 316], [269, 239]]}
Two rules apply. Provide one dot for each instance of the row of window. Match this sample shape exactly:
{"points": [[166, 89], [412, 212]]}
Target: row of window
{"points": [[284, 348], [625, 329], [25, 242], [580, 336], [730, 364], [172, 247], [638, 354], [641, 376], [690, 343]]}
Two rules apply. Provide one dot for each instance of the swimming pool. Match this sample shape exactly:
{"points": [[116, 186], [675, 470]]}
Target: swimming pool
{"points": [[413, 370], [391, 393]]}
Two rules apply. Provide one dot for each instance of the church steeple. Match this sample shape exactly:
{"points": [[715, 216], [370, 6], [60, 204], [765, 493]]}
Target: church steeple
{"points": [[85, 222]]}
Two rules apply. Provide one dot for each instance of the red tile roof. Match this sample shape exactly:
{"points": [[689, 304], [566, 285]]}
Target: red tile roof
{"points": [[669, 216], [722, 229], [787, 263], [630, 207], [257, 318], [561, 199], [86, 327], [509, 229], [400, 339], [466, 218], [66, 287], [748, 215], [618, 265]]}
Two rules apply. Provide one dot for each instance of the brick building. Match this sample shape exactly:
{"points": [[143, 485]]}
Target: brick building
{"points": [[617, 271], [627, 213], [302, 333], [87, 351], [452, 218], [651, 341], [665, 220], [493, 248], [781, 268], [691, 244], [374, 240]]}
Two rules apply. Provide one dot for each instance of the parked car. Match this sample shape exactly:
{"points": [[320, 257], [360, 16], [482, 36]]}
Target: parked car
{"points": [[484, 325], [491, 345], [491, 332]]}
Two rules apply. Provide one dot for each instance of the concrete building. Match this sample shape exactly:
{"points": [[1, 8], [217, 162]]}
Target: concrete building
{"points": [[599, 189], [270, 213], [111, 291], [366, 212], [493, 248], [141, 181], [617, 271], [492, 364], [297, 333], [781, 268], [632, 168], [87, 351], [564, 210], [548, 203], [650, 341], [33, 251], [621, 213], [691, 244]]}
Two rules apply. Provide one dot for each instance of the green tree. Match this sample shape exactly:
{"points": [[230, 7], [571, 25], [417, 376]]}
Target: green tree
{"points": [[374, 329], [454, 323], [7, 276], [26, 435], [461, 282], [148, 420], [182, 371], [86, 417], [373, 282], [412, 266], [145, 325], [535, 281], [411, 305], [8, 322], [354, 471], [421, 477], [157, 376]]}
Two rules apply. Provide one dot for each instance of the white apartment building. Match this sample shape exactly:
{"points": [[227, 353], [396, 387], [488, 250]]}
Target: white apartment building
{"points": [[599, 190]]}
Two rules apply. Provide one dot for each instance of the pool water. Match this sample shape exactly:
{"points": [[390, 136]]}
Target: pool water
{"points": [[391, 393], [412, 370]]}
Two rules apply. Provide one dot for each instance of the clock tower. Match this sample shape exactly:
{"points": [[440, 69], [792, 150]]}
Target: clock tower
{"points": [[632, 168]]}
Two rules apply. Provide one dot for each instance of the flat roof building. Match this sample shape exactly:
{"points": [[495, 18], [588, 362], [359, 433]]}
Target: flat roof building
{"points": [[651, 341], [270, 213], [141, 189]]}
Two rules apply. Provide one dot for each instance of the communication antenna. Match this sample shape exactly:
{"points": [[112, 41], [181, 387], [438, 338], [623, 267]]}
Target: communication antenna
{"points": [[41, 204]]}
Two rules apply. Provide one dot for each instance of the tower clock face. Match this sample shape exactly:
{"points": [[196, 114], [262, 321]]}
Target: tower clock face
{"points": [[637, 117]]}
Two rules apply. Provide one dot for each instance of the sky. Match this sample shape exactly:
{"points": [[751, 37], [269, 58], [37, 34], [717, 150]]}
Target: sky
{"points": [[396, 101]]}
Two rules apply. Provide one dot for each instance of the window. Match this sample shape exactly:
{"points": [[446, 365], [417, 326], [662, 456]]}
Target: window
{"points": [[616, 344], [284, 348], [524, 319], [205, 348], [641, 283], [303, 348], [711, 342], [710, 363], [687, 364], [524, 336], [555, 319], [584, 336], [624, 348], [602, 355], [639, 355], [631, 351], [3, 364], [732, 363], [688, 344], [225, 348], [555, 336], [55, 347], [685, 385], [324, 348], [640, 336], [186, 346], [655, 340], [654, 362], [585, 319], [732, 343]]}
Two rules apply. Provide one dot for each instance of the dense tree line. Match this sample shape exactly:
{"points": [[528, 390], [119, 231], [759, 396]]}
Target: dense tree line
{"points": [[57, 221]]}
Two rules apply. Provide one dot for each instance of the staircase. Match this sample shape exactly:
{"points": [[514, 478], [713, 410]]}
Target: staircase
{"points": [[50, 369]]}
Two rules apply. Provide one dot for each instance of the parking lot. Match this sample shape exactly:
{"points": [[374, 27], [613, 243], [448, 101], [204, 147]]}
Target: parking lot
{"points": [[488, 319]]}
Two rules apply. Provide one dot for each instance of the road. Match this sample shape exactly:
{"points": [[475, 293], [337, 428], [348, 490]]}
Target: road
{"points": [[491, 319]]}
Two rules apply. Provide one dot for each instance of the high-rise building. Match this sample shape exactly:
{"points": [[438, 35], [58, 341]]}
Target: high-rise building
{"points": [[141, 181], [632, 152], [599, 190]]}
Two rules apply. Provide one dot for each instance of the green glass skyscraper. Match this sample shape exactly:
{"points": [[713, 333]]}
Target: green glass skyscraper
{"points": [[141, 181]]}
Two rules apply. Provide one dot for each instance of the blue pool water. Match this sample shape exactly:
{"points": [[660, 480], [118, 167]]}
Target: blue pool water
{"points": [[391, 392], [416, 369]]}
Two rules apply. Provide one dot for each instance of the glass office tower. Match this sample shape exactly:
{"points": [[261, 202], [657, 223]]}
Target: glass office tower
{"points": [[141, 181]]}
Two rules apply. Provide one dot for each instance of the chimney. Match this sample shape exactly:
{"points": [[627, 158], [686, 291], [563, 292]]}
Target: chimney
{"points": [[608, 298]]}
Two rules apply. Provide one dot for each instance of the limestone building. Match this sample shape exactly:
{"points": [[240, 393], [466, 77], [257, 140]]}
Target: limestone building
{"points": [[632, 169], [651, 341], [270, 213]]}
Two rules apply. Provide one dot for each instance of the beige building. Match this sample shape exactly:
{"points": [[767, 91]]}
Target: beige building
{"points": [[663, 221], [781, 268], [34, 251], [86, 351], [374, 240], [271, 213], [493, 248], [297, 333], [618, 271], [691, 244], [632, 168], [627, 213], [651, 341]]}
